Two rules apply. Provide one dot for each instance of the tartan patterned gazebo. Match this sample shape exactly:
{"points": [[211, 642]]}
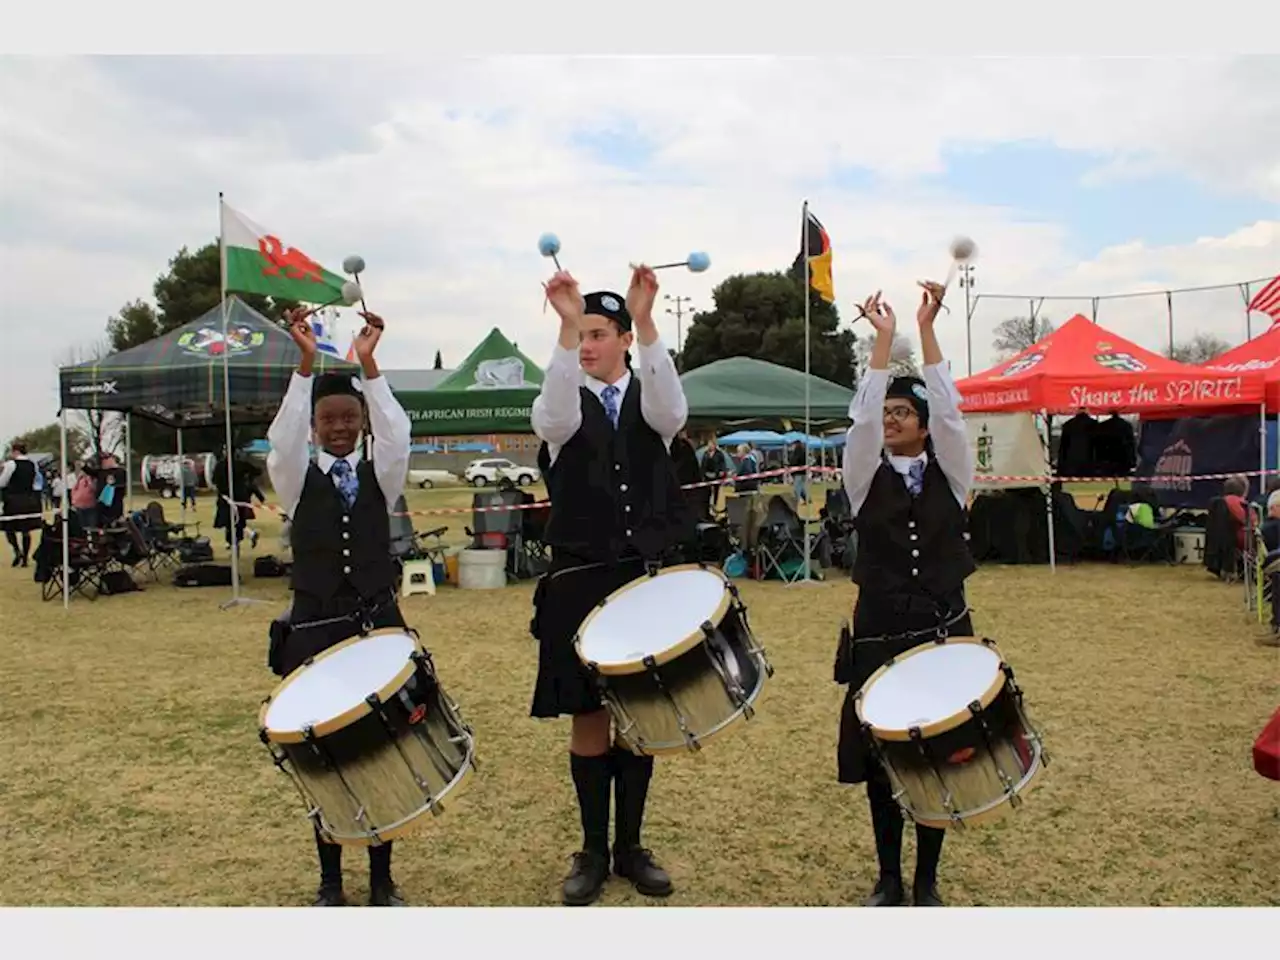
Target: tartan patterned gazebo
{"points": [[176, 379]]}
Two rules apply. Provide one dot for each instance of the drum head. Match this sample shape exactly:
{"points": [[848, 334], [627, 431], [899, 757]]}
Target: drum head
{"points": [[335, 686], [930, 685], [659, 617]]}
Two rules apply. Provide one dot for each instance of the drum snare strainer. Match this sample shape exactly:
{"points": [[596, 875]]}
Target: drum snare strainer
{"points": [[947, 722]]}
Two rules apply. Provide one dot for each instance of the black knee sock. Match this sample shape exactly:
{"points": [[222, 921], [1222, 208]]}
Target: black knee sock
{"points": [[330, 862], [591, 777], [12, 537], [928, 853], [380, 864], [886, 823], [26, 544], [632, 774]]}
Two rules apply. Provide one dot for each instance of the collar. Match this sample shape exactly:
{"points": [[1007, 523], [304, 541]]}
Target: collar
{"points": [[325, 460], [902, 465], [598, 386]]}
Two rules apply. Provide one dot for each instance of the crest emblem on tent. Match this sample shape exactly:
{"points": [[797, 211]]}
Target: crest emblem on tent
{"points": [[209, 342], [1021, 366], [500, 373], [1118, 360]]}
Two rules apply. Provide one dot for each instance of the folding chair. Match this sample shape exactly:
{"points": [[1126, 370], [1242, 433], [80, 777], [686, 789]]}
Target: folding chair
{"points": [[87, 556], [780, 548]]}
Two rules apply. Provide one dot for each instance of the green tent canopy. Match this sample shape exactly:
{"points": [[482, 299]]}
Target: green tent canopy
{"points": [[743, 390], [176, 379], [492, 391]]}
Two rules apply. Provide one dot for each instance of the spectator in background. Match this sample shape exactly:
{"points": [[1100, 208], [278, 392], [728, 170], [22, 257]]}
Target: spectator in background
{"points": [[188, 482], [799, 478], [245, 476], [1235, 490], [1271, 525], [688, 472], [747, 465], [20, 494], [84, 497], [715, 466]]}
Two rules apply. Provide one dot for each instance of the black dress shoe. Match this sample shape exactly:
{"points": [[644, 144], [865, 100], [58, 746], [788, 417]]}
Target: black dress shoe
{"points": [[586, 880], [386, 894], [330, 897], [888, 893], [927, 897], [638, 866]]}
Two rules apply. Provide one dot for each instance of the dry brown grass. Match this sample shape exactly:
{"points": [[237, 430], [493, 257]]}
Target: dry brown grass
{"points": [[132, 773]]}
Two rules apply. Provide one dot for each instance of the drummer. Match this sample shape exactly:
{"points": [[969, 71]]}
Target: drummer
{"points": [[907, 471], [343, 578], [616, 503]]}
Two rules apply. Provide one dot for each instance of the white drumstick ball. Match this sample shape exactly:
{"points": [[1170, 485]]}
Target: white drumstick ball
{"points": [[353, 264], [351, 293], [963, 248]]}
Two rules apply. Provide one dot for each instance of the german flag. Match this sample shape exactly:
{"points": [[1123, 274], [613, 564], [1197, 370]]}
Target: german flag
{"points": [[819, 258]]}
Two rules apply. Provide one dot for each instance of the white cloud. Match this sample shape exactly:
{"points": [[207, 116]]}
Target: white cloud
{"points": [[443, 174]]}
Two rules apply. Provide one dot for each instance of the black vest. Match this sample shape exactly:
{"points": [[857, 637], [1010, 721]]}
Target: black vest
{"points": [[911, 545], [23, 479], [335, 548], [614, 493]]}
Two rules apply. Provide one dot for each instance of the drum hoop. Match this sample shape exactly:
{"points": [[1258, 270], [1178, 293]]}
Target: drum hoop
{"points": [[938, 727], [631, 667], [347, 717]]}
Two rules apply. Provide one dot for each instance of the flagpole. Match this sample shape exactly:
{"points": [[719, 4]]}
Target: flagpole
{"points": [[233, 508], [804, 231]]}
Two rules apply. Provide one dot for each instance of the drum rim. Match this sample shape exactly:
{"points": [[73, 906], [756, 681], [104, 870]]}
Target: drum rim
{"points": [[628, 668], [948, 723], [350, 716]]}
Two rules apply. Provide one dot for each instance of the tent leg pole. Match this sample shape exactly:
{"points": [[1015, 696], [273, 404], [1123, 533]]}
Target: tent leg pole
{"points": [[128, 462], [66, 524]]}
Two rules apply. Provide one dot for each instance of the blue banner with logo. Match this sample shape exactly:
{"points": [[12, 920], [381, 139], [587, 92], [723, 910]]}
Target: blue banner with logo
{"points": [[1198, 445]]}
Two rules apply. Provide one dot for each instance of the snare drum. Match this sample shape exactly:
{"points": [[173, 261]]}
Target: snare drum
{"points": [[369, 737], [946, 721], [674, 659]]}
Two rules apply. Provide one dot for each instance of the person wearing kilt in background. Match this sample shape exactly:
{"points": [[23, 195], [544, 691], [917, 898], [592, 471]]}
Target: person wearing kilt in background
{"points": [[20, 492], [616, 506], [908, 468], [343, 577]]}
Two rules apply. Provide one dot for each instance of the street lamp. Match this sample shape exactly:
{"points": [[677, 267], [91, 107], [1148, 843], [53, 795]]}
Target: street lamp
{"points": [[678, 313], [966, 281]]}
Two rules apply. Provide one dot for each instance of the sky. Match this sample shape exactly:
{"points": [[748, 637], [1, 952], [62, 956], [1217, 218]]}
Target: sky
{"points": [[1076, 177]]}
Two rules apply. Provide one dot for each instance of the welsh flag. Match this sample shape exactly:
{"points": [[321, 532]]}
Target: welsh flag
{"points": [[258, 261]]}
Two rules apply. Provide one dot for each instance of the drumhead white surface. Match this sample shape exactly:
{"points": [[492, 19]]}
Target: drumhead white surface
{"points": [[652, 616], [929, 686], [332, 686]]}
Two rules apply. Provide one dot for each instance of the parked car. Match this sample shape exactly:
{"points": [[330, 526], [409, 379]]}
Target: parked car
{"points": [[482, 472], [427, 478]]}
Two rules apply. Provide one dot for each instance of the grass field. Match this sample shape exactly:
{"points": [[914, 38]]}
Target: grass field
{"points": [[133, 775]]}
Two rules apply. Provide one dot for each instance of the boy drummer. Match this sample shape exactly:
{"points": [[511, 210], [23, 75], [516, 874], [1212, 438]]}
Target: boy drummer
{"points": [[343, 578], [615, 504], [908, 467]]}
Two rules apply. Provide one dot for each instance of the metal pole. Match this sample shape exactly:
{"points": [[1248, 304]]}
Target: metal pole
{"points": [[182, 474], [1168, 299], [966, 281], [66, 492], [1246, 289], [807, 425], [128, 462]]}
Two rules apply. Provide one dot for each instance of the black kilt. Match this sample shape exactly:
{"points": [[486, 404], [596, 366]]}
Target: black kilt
{"points": [[292, 642], [880, 616], [17, 504], [564, 597]]}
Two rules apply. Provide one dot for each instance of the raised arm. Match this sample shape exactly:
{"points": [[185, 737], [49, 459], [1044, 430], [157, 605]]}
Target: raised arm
{"points": [[864, 443], [290, 432], [557, 409], [950, 437], [387, 419], [662, 401]]}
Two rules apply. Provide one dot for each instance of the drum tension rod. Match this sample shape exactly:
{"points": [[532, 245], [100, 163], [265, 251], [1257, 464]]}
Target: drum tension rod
{"points": [[979, 714], [947, 800], [690, 740]]}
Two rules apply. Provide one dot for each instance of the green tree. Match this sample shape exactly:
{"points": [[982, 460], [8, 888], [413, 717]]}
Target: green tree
{"points": [[1015, 334], [439, 364], [761, 315], [48, 439]]}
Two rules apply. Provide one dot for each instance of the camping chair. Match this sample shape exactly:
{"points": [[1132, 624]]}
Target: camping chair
{"points": [[494, 528], [410, 544], [1143, 536], [530, 554], [840, 529], [158, 535], [1221, 555], [780, 548], [87, 556], [737, 527]]}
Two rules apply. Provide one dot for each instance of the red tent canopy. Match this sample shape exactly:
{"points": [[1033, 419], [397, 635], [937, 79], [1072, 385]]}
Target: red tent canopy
{"points": [[1082, 366], [1259, 355]]}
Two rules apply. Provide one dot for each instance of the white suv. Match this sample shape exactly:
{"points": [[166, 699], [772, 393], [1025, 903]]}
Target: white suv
{"points": [[482, 472]]}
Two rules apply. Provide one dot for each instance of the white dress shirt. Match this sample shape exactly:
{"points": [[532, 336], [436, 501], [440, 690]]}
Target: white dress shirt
{"points": [[290, 436], [557, 410], [864, 444]]}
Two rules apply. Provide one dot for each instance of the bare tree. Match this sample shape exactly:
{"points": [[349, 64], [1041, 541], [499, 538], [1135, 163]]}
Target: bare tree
{"points": [[902, 356], [1015, 334], [1201, 348], [102, 430]]}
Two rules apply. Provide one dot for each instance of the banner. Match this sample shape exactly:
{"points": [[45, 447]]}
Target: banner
{"points": [[1199, 445], [1006, 445]]}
